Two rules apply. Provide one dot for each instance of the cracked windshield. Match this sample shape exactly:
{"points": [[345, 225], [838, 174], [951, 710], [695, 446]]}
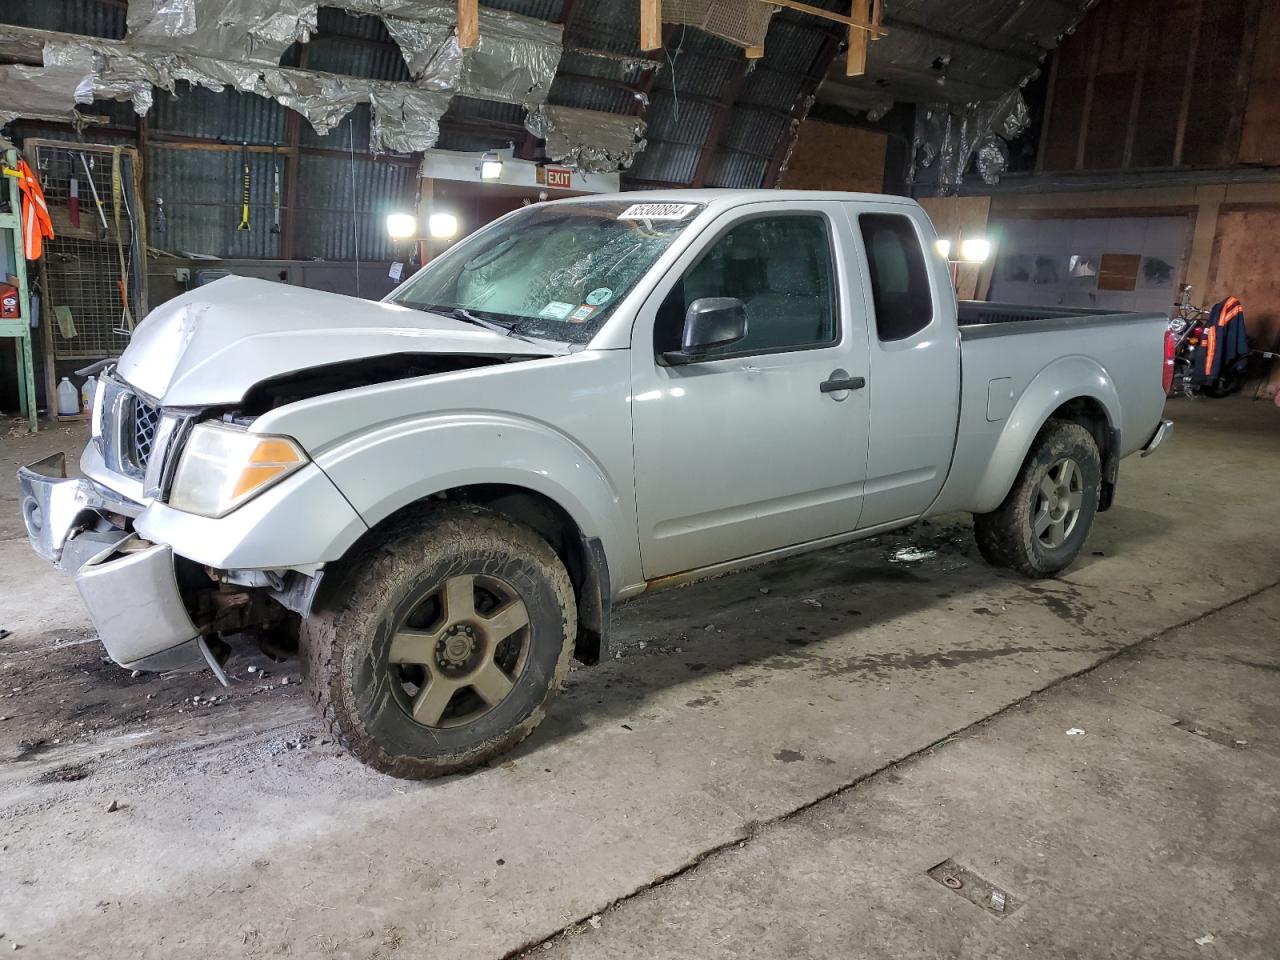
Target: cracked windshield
{"points": [[554, 271]]}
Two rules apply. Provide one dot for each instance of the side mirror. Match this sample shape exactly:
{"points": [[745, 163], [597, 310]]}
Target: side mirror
{"points": [[709, 322]]}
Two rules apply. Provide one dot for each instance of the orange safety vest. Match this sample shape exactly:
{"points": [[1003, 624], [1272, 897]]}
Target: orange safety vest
{"points": [[36, 224]]}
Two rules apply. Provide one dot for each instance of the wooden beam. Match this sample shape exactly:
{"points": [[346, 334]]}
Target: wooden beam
{"points": [[650, 25], [856, 61], [468, 23], [863, 24], [1135, 102], [1230, 146], [1094, 56], [1046, 118], [1188, 84]]}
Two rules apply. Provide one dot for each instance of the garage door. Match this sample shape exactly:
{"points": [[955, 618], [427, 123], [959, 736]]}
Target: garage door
{"points": [[1122, 263]]}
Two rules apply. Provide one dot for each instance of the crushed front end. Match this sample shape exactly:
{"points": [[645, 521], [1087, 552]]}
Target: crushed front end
{"points": [[157, 603]]}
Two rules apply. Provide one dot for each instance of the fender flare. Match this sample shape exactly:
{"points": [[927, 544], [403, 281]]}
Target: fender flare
{"points": [[1068, 378], [472, 449]]}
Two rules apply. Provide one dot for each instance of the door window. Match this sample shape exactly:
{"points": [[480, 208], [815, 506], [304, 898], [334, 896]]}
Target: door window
{"points": [[899, 281], [780, 267]]}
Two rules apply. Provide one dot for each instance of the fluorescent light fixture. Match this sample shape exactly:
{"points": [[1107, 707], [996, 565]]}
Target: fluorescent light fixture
{"points": [[975, 249], [491, 166], [943, 247], [401, 226], [442, 226]]}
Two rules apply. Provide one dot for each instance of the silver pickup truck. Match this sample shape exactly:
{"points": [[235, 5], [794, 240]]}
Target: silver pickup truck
{"points": [[437, 499]]}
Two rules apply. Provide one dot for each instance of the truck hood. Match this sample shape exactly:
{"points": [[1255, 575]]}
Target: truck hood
{"points": [[209, 346]]}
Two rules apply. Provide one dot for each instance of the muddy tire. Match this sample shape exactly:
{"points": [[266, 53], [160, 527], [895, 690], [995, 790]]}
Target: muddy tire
{"points": [[442, 645], [1040, 527]]}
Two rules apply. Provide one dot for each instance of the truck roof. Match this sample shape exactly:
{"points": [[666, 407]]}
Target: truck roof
{"points": [[725, 197]]}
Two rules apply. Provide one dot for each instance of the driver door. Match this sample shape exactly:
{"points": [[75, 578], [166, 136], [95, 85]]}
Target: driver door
{"points": [[745, 452]]}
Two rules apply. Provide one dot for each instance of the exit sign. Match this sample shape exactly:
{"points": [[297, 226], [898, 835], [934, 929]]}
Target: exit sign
{"points": [[557, 177]]}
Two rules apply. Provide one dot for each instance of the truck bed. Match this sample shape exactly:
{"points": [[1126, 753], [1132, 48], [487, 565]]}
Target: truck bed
{"points": [[1118, 358], [979, 319]]}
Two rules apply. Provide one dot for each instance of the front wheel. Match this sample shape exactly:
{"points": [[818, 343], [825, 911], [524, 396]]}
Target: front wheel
{"points": [[443, 644], [1040, 527]]}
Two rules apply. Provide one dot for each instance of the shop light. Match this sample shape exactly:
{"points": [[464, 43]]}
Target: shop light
{"points": [[442, 226], [402, 226], [975, 249], [943, 246], [491, 166]]}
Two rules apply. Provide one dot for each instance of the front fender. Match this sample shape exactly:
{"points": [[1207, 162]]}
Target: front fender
{"points": [[1062, 381], [387, 469]]}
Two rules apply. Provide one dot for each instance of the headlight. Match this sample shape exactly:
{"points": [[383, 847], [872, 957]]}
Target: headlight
{"points": [[223, 466]]}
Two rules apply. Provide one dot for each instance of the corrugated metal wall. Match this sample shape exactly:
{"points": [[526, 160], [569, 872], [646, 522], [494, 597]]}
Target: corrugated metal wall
{"points": [[193, 160], [712, 120]]}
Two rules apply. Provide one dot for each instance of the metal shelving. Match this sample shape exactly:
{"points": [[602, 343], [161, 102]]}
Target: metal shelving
{"points": [[20, 329]]}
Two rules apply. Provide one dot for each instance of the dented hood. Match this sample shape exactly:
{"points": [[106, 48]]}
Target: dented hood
{"points": [[209, 346]]}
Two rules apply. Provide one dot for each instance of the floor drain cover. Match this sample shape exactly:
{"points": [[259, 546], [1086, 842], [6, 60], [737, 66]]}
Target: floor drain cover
{"points": [[973, 888], [1210, 733]]}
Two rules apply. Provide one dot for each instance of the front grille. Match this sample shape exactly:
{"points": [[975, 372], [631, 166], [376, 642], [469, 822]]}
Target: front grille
{"points": [[137, 437], [145, 419]]}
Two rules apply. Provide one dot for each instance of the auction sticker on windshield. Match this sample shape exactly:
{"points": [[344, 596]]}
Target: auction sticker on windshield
{"points": [[657, 211]]}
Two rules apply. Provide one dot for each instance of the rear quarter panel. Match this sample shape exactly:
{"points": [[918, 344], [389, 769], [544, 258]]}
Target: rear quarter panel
{"points": [[1116, 362]]}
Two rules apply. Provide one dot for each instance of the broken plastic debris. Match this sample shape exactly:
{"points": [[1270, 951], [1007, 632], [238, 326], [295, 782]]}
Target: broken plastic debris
{"points": [[812, 602], [997, 900], [594, 921], [1205, 940], [911, 555], [1075, 732]]}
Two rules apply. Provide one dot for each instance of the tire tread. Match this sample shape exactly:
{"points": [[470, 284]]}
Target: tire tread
{"points": [[371, 570], [1000, 534]]}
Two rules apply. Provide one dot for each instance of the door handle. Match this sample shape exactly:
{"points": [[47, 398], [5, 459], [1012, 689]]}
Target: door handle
{"points": [[839, 384]]}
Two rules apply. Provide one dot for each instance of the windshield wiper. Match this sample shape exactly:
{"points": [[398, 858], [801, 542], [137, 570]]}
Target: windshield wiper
{"points": [[466, 316]]}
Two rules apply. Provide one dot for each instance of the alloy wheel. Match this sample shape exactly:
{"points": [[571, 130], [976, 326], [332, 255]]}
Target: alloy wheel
{"points": [[459, 651], [1058, 501]]}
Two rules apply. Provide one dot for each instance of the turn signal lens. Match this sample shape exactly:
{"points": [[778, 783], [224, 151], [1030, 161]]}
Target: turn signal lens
{"points": [[222, 466], [1170, 344]]}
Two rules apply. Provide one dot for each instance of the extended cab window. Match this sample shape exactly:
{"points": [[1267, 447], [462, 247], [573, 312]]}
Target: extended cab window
{"points": [[780, 267], [899, 281]]}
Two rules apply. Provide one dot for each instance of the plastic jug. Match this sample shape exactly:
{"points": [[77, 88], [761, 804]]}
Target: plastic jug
{"points": [[86, 394], [68, 399]]}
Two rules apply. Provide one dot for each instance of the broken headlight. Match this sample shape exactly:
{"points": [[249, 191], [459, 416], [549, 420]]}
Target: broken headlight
{"points": [[222, 466]]}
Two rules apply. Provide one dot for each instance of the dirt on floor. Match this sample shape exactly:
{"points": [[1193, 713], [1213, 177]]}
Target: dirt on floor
{"points": [[154, 815]]}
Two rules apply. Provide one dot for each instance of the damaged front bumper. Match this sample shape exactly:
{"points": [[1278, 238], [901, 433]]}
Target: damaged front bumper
{"points": [[129, 584]]}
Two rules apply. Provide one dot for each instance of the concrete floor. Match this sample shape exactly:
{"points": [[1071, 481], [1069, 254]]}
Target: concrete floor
{"points": [[765, 776]]}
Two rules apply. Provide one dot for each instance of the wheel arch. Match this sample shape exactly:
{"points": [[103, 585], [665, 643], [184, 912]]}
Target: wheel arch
{"points": [[583, 555], [1076, 389]]}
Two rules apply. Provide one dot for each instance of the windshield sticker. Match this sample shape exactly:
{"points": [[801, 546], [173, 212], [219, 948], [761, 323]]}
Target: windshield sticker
{"points": [[657, 211], [556, 310], [582, 313], [599, 296]]}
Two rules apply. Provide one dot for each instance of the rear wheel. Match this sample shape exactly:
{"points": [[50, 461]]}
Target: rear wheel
{"points": [[443, 645], [1044, 521]]}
